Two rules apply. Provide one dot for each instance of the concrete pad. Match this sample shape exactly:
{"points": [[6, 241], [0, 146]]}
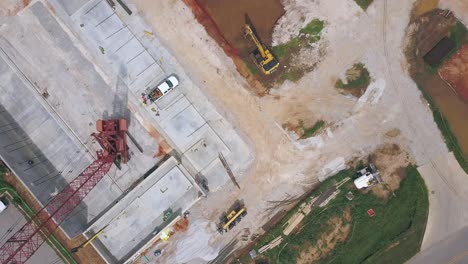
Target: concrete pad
{"points": [[107, 31], [448, 206], [54, 130], [216, 175], [136, 217], [184, 126], [205, 150]]}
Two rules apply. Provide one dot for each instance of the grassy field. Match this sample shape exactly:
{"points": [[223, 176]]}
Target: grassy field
{"points": [[364, 4], [393, 235], [355, 82]]}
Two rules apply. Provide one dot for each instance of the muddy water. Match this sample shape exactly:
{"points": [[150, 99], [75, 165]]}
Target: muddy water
{"points": [[430, 28], [454, 109], [229, 16]]}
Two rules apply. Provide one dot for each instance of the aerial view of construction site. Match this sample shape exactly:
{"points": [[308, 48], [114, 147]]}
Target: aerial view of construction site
{"points": [[222, 131]]}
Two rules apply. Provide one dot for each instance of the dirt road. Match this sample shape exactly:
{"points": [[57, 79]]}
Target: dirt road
{"points": [[284, 165]]}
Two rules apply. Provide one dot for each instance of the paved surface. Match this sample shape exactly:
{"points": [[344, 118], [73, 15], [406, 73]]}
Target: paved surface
{"points": [[452, 250], [10, 221], [448, 198], [138, 217], [54, 130], [83, 63]]}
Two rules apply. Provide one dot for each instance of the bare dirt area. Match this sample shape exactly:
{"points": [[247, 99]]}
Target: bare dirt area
{"points": [[423, 33], [455, 72], [12, 7], [340, 229], [391, 161], [84, 255], [285, 166]]}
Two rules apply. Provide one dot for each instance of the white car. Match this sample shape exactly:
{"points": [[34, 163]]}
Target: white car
{"points": [[163, 88]]}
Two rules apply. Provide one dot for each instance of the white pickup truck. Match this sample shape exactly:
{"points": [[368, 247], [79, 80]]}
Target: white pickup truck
{"points": [[163, 88]]}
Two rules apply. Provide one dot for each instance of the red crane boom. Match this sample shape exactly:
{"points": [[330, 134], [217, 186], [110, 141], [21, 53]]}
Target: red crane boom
{"points": [[22, 245]]}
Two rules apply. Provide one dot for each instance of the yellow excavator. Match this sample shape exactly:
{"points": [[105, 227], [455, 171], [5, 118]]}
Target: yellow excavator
{"points": [[262, 56]]}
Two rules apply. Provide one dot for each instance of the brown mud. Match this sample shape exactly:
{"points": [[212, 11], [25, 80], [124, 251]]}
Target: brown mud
{"points": [[423, 34]]}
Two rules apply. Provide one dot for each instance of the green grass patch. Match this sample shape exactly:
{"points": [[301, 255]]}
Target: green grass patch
{"points": [[310, 131], [444, 127], [313, 29], [458, 34], [393, 235], [364, 4], [357, 77]]}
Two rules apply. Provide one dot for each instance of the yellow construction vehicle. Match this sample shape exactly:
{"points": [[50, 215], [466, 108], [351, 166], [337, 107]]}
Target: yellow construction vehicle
{"points": [[262, 56], [230, 220]]}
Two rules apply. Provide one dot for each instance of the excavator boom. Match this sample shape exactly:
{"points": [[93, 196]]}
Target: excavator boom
{"points": [[263, 57]]}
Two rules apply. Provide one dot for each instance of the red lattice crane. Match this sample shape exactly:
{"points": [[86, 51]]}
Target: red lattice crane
{"points": [[21, 246]]}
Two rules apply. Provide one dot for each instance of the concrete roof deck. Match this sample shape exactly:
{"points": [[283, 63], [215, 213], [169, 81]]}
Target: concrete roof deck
{"points": [[139, 215]]}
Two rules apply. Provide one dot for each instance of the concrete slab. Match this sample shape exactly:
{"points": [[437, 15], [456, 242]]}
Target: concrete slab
{"points": [[10, 221], [139, 214], [104, 27], [50, 111], [205, 150]]}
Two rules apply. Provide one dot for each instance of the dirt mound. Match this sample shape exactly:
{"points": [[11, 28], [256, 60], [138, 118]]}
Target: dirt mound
{"points": [[455, 72], [391, 161], [181, 225]]}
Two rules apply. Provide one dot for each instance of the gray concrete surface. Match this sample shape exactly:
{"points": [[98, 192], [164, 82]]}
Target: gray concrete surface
{"points": [[138, 217], [54, 130], [84, 62], [10, 221], [451, 250], [448, 198]]}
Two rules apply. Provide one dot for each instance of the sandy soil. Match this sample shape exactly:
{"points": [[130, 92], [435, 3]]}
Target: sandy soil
{"points": [[455, 72], [391, 162], [285, 166]]}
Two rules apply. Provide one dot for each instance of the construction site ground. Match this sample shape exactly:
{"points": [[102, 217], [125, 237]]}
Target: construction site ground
{"points": [[78, 58], [339, 230]]}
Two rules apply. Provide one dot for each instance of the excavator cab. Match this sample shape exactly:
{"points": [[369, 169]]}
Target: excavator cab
{"points": [[263, 58]]}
